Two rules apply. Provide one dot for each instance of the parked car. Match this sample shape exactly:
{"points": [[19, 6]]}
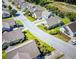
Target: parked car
{"points": [[74, 42]]}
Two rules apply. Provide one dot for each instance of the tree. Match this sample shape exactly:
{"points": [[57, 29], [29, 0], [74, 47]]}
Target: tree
{"points": [[71, 15], [61, 14], [9, 7], [13, 12]]}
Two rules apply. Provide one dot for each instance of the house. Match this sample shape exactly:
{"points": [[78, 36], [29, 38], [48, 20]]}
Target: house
{"points": [[8, 25], [37, 12], [20, 55], [69, 29], [5, 12], [52, 21], [5, 27], [46, 14], [26, 50], [12, 36]]}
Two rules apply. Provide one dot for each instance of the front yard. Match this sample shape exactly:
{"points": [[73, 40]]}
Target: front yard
{"points": [[55, 32], [18, 22], [6, 19], [65, 20], [3, 54], [30, 18]]}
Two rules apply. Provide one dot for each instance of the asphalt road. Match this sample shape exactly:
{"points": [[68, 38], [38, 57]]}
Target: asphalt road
{"points": [[69, 50]]}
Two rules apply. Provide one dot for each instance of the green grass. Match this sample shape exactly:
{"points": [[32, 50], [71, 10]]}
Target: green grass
{"points": [[30, 18], [18, 22], [6, 19], [65, 20], [3, 55]]}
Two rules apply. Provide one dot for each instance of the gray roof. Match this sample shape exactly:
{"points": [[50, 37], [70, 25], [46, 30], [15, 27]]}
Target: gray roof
{"points": [[38, 11], [13, 35], [46, 14], [38, 14], [10, 22], [52, 20], [72, 26], [21, 55], [5, 25]]}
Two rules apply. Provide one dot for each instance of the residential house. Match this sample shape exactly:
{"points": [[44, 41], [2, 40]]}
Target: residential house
{"points": [[46, 14], [8, 24], [12, 36], [5, 27], [5, 12], [26, 50], [69, 29], [38, 12], [52, 21], [20, 55]]}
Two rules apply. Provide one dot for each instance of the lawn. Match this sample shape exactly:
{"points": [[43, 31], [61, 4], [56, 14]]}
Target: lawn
{"points": [[65, 20], [3, 55], [55, 32], [18, 22], [30, 18], [6, 19]]}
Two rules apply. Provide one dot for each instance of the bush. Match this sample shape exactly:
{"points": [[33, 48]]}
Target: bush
{"points": [[54, 31], [13, 12], [53, 9], [5, 46], [71, 15], [43, 47]]}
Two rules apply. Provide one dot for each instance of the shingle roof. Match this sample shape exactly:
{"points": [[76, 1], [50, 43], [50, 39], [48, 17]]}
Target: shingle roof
{"points": [[5, 25], [13, 35], [10, 22], [52, 20], [46, 14], [20, 55], [72, 26]]}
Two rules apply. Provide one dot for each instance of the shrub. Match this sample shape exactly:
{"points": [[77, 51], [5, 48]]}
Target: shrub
{"points": [[71, 15], [5, 46], [54, 31], [43, 47]]}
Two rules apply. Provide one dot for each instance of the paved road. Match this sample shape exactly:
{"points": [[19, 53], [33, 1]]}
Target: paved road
{"points": [[69, 50]]}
